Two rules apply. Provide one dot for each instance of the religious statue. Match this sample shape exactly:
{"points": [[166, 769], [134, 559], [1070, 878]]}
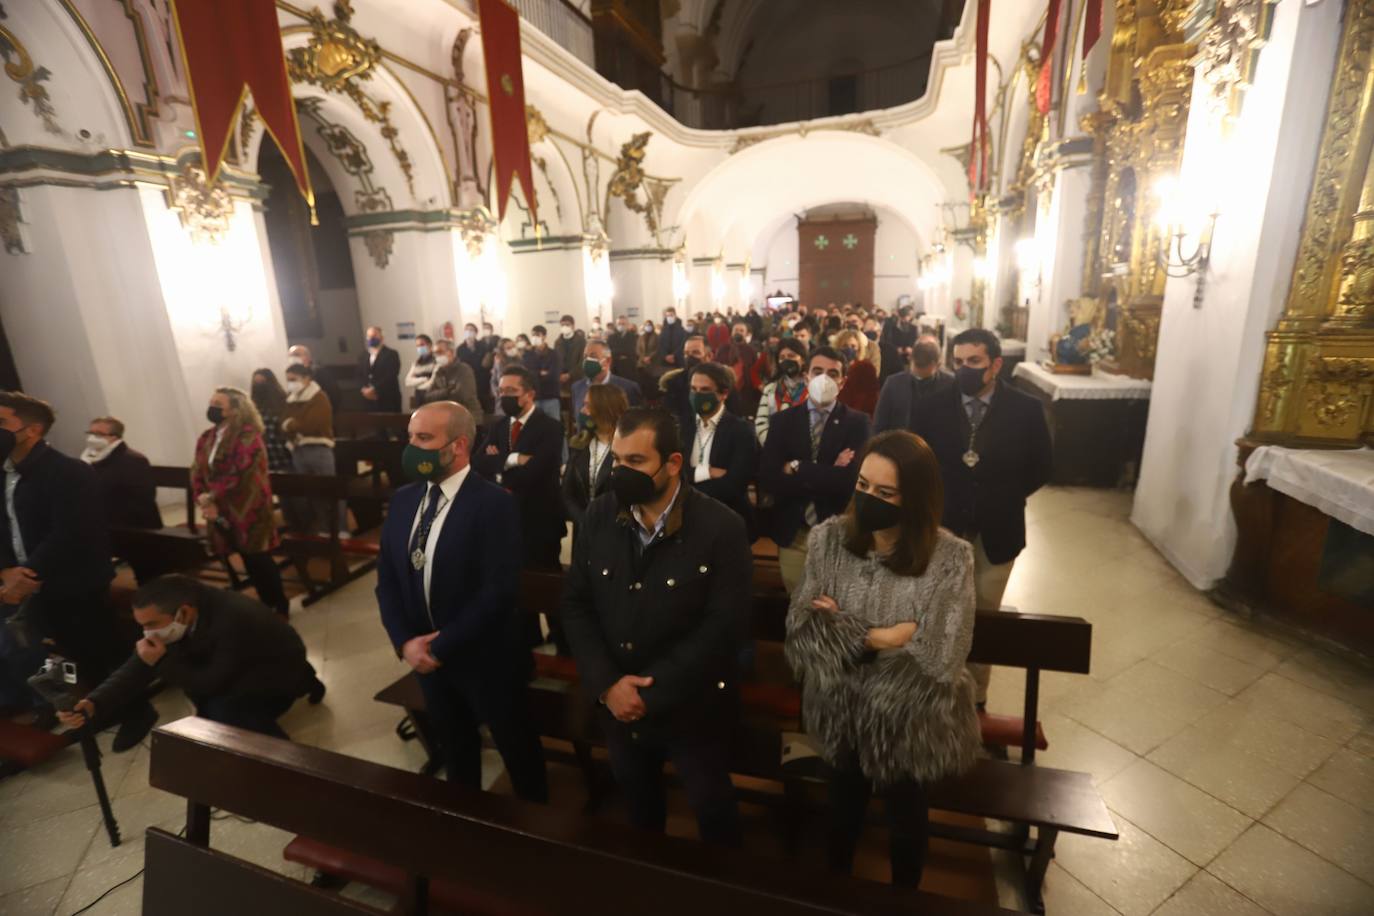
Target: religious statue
{"points": [[1085, 341]]}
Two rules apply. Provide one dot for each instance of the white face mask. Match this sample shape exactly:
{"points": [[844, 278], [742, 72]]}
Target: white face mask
{"points": [[822, 390], [169, 634], [97, 447], [294, 386], [512, 352], [443, 359], [537, 341], [470, 334], [648, 329], [565, 332], [486, 332]]}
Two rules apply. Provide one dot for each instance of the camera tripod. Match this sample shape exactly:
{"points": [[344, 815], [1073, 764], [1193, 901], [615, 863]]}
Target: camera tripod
{"points": [[91, 752]]}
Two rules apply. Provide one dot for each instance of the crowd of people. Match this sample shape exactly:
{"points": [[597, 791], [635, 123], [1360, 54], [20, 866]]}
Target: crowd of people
{"points": [[889, 467]]}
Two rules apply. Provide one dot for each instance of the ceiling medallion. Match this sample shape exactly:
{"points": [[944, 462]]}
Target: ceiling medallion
{"points": [[205, 211]]}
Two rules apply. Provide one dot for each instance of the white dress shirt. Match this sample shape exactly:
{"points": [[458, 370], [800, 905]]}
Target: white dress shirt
{"points": [[701, 448], [449, 490]]}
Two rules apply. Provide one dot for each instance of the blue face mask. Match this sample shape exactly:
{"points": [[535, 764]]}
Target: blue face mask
{"points": [[374, 342], [423, 351]]}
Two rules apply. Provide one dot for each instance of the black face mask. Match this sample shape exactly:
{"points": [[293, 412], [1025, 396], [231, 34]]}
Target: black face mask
{"points": [[215, 414], [790, 368], [874, 514], [970, 379], [738, 338], [7, 443], [632, 487], [510, 405], [693, 362]]}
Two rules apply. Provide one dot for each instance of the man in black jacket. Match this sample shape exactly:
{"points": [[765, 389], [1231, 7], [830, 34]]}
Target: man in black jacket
{"points": [[655, 607], [237, 661], [521, 453], [671, 337], [809, 462], [722, 452], [898, 337], [381, 371], [994, 450], [903, 393], [123, 476], [55, 550]]}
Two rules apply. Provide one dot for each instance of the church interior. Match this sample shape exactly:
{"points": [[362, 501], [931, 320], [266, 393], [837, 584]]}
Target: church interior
{"points": [[1147, 225]]}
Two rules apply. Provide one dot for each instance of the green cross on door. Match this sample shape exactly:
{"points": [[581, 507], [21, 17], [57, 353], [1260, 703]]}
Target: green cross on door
{"points": [[850, 241], [822, 242]]}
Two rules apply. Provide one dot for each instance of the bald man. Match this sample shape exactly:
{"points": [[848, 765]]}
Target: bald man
{"points": [[381, 373], [447, 578]]}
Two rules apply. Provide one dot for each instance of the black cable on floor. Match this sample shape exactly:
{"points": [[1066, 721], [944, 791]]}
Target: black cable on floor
{"points": [[114, 887]]}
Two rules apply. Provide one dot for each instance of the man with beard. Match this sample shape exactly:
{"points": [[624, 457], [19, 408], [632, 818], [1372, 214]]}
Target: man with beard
{"points": [[655, 610]]}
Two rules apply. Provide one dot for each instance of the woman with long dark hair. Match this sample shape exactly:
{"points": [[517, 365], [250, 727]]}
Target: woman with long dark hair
{"points": [[788, 388], [588, 472], [879, 632], [269, 397]]}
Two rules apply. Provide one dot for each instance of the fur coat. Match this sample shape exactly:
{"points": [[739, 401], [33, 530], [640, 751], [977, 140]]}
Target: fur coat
{"points": [[908, 712], [242, 491]]}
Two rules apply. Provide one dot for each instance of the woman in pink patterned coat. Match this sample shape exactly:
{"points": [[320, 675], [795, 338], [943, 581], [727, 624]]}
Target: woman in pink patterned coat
{"points": [[229, 480]]}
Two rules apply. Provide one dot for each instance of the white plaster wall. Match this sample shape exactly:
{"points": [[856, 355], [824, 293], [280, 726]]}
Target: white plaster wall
{"points": [[1059, 239], [643, 286], [543, 284], [1207, 371], [87, 324]]}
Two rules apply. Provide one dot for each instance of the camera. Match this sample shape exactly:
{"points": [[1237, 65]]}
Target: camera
{"points": [[54, 683]]}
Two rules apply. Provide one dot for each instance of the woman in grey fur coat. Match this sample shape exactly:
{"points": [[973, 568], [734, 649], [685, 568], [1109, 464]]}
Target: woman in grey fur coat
{"points": [[879, 632]]}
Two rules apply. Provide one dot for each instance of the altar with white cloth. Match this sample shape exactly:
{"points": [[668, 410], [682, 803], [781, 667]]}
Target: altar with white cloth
{"points": [[1097, 423], [1305, 539]]}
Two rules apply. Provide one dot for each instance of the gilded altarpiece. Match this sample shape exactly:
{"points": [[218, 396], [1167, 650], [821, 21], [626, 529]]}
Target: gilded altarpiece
{"points": [[1138, 134], [1317, 387]]}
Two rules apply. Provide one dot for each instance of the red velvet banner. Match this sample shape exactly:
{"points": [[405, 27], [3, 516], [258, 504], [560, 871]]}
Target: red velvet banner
{"points": [[229, 49], [1092, 26], [1043, 89], [510, 139], [978, 148]]}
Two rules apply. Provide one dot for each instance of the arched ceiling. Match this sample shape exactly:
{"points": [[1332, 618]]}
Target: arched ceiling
{"points": [[753, 192]]}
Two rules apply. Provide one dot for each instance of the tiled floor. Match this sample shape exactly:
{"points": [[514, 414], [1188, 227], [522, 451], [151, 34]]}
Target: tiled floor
{"points": [[1238, 761]]}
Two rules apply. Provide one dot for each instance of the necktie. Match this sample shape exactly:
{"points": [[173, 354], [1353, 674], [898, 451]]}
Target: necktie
{"points": [[515, 427], [817, 431], [976, 407], [420, 538]]}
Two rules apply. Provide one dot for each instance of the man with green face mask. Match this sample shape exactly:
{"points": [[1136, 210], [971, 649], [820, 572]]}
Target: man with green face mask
{"points": [[596, 370], [447, 578], [721, 448]]}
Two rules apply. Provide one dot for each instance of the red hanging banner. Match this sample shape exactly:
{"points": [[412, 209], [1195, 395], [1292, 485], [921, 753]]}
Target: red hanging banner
{"points": [[229, 49], [1092, 26], [510, 139], [1044, 89], [978, 148]]}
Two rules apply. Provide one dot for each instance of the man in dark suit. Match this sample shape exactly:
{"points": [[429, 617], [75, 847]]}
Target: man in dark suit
{"points": [[55, 551], [810, 463], [623, 342], [671, 336], [447, 578], [896, 341], [381, 371], [237, 661], [653, 607], [994, 450], [596, 370], [722, 452], [123, 476], [521, 453], [903, 393]]}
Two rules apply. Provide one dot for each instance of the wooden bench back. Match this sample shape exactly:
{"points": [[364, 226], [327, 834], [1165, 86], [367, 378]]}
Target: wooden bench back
{"points": [[356, 424], [485, 843], [1008, 638]]}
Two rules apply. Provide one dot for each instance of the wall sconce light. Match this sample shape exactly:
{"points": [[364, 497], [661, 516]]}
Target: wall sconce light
{"points": [[981, 269], [1181, 216]]}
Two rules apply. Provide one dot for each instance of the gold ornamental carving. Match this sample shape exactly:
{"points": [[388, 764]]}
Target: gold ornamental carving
{"points": [[476, 226], [1228, 50], [19, 66], [1317, 383], [11, 216], [205, 211], [860, 126], [535, 125], [337, 59], [380, 243], [629, 178]]}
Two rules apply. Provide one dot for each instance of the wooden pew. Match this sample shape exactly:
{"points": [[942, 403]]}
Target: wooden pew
{"points": [[1050, 800], [300, 549], [153, 552], [350, 424], [445, 846]]}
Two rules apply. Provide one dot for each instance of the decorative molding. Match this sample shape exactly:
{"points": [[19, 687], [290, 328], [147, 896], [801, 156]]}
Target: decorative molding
{"points": [[351, 154], [379, 244], [629, 177], [19, 66], [858, 126], [205, 211], [535, 125], [1228, 51], [11, 222], [476, 226], [336, 59], [460, 110]]}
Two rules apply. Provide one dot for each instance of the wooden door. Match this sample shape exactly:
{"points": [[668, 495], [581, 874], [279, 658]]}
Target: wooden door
{"points": [[835, 258]]}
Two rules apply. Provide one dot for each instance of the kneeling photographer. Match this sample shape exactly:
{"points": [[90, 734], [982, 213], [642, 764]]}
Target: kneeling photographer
{"points": [[238, 662]]}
